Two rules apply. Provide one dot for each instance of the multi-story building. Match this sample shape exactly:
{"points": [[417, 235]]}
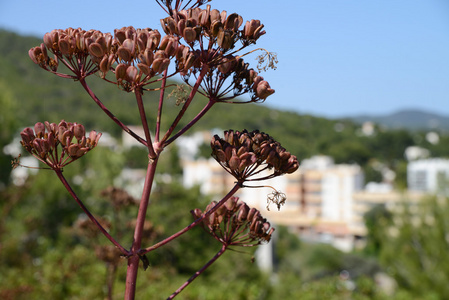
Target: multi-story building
{"points": [[428, 175]]}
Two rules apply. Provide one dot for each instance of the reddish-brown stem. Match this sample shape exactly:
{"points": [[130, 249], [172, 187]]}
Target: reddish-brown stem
{"points": [[110, 277], [199, 272], [161, 102], [186, 104], [143, 119], [109, 114], [133, 260], [87, 212], [191, 123], [196, 222]]}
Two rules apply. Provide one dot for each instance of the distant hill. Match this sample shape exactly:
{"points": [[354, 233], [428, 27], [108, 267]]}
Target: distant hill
{"points": [[412, 119]]}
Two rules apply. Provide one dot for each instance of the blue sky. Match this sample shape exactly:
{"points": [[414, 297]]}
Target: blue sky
{"points": [[336, 57]]}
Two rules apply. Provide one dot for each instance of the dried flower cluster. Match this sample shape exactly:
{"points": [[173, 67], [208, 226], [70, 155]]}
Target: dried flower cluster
{"points": [[235, 224], [245, 154], [134, 55], [141, 54], [196, 24], [242, 80], [71, 47], [210, 35], [119, 197], [57, 145]]}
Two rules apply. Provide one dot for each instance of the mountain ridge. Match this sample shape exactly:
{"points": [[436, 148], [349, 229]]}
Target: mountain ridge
{"points": [[408, 118]]}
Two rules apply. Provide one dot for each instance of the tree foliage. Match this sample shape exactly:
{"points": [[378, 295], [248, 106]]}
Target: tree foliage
{"points": [[412, 243]]}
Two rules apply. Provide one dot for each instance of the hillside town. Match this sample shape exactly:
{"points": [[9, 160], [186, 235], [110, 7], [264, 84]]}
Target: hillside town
{"points": [[325, 202]]}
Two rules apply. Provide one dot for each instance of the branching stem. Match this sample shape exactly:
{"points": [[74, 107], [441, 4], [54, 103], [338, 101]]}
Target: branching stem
{"points": [[186, 104], [196, 222], [192, 122]]}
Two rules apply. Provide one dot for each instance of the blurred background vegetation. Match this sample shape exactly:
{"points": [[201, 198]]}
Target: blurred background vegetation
{"points": [[46, 254]]}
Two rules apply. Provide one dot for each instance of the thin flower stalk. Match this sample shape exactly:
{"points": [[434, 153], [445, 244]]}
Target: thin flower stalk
{"points": [[89, 214], [110, 114], [199, 272], [143, 119], [161, 102], [185, 106], [205, 109]]}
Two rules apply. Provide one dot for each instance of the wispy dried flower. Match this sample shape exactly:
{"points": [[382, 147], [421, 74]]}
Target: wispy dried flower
{"points": [[57, 145], [246, 154], [134, 55], [235, 224], [180, 93], [266, 61], [277, 198], [15, 162]]}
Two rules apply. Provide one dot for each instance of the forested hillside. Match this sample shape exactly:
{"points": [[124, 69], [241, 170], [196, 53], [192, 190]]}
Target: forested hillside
{"points": [[35, 95]]}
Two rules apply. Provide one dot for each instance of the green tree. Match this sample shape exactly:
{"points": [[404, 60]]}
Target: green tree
{"points": [[8, 125], [376, 220], [414, 247]]}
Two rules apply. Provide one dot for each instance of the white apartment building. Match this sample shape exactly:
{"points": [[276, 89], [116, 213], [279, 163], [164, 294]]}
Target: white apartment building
{"points": [[319, 196], [428, 175], [334, 184]]}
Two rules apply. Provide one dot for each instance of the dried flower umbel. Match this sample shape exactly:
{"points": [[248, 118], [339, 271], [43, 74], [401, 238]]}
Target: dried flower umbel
{"points": [[119, 197], [58, 145], [246, 154], [211, 37], [235, 224]]}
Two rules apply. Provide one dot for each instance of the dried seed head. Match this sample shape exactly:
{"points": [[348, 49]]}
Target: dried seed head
{"points": [[235, 224], [245, 154], [43, 142]]}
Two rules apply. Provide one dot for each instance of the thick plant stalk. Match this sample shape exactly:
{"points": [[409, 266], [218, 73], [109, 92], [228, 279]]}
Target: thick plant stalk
{"points": [[133, 260]]}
